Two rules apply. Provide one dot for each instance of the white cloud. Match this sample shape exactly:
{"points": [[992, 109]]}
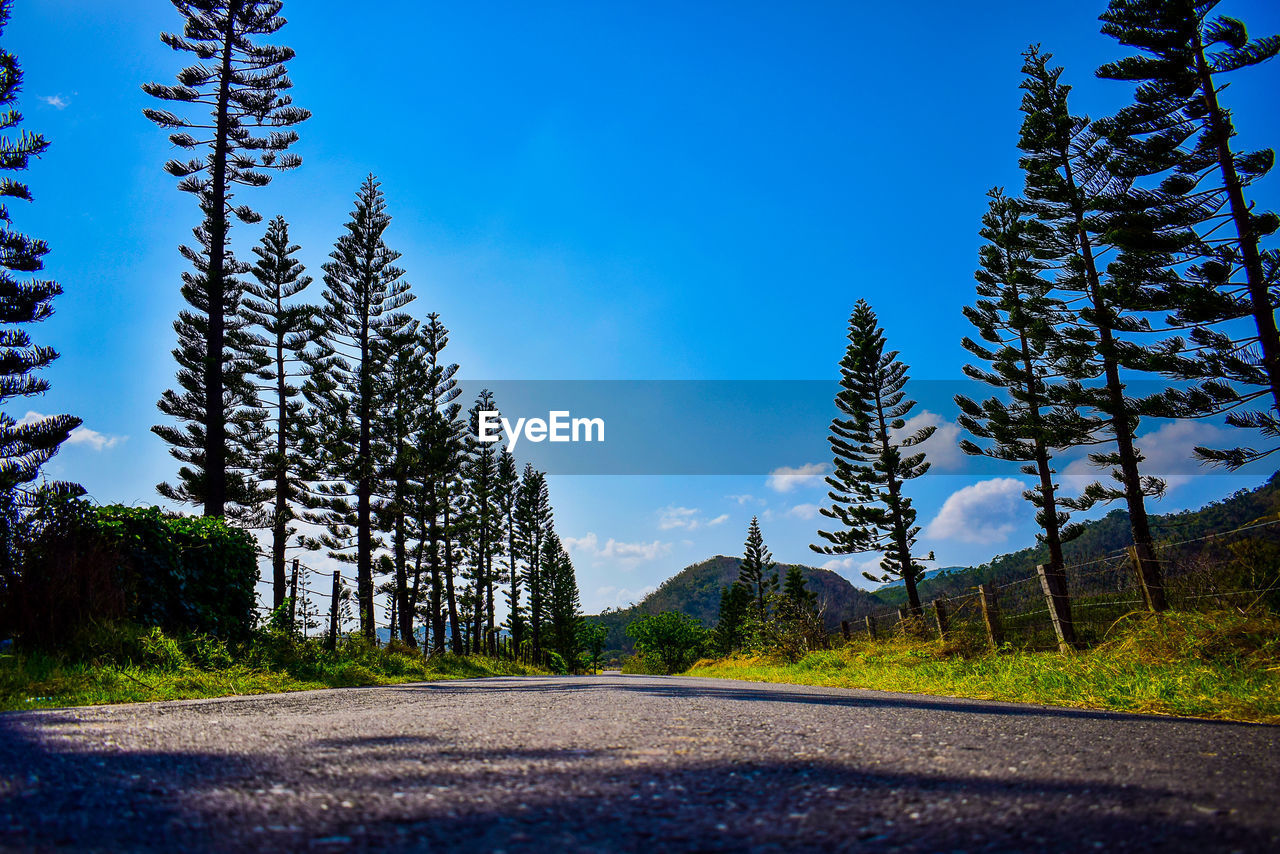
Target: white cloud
{"points": [[942, 449], [803, 511], [984, 512], [722, 518], [56, 101], [80, 436], [1168, 452], [677, 517], [745, 499], [622, 554], [787, 479], [853, 566]]}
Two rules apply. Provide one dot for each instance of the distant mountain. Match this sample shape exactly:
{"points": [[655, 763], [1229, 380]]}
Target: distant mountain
{"points": [[932, 573], [695, 591]]}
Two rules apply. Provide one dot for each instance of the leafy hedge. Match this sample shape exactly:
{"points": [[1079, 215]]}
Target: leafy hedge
{"points": [[184, 573], [83, 565]]}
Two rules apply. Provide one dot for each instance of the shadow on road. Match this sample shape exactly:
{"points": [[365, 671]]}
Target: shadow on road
{"points": [[419, 792]]}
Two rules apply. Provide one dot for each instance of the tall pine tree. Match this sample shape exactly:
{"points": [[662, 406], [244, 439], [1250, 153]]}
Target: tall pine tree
{"points": [[364, 291], [238, 89], [281, 334], [1070, 190], [870, 468], [25, 445], [1016, 319], [1177, 129]]}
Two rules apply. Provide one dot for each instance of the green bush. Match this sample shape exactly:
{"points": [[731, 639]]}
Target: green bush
{"points": [[84, 566], [669, 642]]}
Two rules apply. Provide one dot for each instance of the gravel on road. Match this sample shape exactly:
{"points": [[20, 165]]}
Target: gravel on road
{"points": [[630, 763]]}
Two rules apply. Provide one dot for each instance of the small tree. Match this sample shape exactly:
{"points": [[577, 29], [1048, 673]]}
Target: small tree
{"points": [[870, 468], [732, 630], [757, 571], [592, 638], [671, 640]]}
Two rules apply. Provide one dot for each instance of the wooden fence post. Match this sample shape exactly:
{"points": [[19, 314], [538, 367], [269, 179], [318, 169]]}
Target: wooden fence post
{"points": [[991, 616], [333, 610], [940, 617], [293, 597], [871, 626], [1053, 580], [844, 629], [1149, 580]]}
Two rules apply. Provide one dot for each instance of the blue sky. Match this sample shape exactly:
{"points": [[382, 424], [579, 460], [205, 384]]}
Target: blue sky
{"points": [[593, 191]]}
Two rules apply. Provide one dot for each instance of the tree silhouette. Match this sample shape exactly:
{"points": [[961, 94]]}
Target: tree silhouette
{"points": [[281, 335], [244, 86], [364, 291], [756, 572], [870, 468]]}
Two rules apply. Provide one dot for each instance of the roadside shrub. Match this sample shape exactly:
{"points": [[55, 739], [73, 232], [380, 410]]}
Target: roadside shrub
{"points": [[84, 566]]}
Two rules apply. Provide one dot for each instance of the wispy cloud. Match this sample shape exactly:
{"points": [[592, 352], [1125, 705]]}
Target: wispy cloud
{"points": [[621, 597], [788, 479], [686, 518], [985, 512], [1168, 453], [56, 101]]}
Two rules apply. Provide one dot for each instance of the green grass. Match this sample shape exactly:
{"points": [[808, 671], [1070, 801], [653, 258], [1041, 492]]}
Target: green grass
{"points": [[127, 665], [1223, 665]]}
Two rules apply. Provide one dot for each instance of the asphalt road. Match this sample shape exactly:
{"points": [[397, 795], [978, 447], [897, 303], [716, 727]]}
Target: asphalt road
{"points": [[629, 763]]}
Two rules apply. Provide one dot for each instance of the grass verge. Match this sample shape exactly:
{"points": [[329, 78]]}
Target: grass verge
{"points": [[126, 665], [1223, 665]]}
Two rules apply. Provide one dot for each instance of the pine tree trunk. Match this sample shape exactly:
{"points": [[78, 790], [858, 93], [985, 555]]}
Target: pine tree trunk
{"points": [[1148, 565], [450, 597], [1259, 294], [364, 493], [899, 524], [517, 633], [535, 593], [280, 524], [401, 599], [215, 450], [437, 588]]}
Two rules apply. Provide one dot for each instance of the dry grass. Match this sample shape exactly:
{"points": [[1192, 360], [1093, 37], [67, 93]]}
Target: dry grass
{"points": [[1222, 665]]}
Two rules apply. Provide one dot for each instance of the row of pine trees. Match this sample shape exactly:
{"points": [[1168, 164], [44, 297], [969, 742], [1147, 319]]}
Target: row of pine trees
{"points": [[330, 424], [335, 424], [1134, 252]]}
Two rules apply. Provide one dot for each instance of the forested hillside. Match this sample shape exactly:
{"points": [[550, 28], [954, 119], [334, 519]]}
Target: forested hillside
{"points": [[695, 590]]}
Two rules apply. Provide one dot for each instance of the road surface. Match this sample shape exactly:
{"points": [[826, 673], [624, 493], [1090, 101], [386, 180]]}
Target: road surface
{"points": [[630, 763]]}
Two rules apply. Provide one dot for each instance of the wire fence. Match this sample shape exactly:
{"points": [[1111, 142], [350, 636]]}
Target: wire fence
{"points": [[1233, 569]]}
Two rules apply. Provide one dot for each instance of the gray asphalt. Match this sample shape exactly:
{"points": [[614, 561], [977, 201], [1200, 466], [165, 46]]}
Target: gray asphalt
{"points": [[630, 763]]}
